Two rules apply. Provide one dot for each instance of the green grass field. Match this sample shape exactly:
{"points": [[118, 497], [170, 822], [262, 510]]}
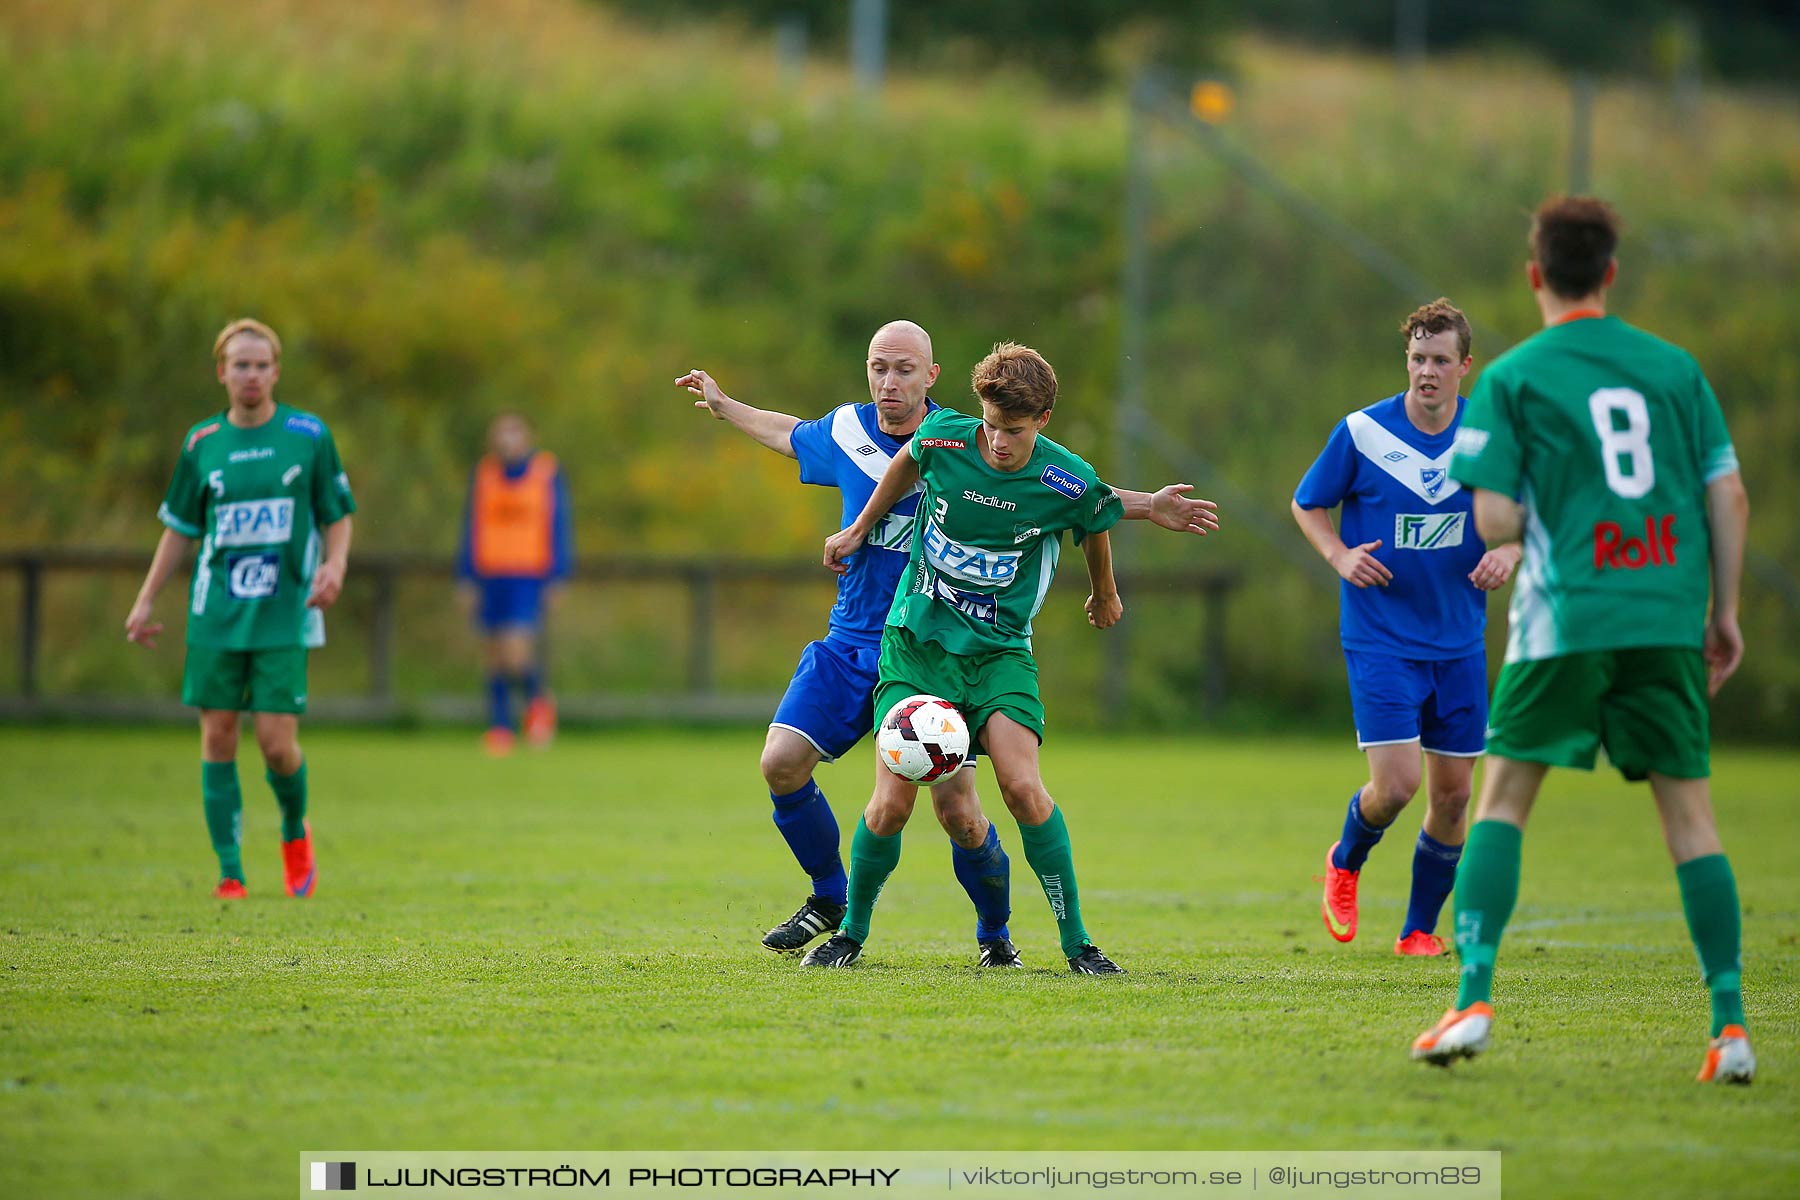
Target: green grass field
{"points": [[560, 952]]}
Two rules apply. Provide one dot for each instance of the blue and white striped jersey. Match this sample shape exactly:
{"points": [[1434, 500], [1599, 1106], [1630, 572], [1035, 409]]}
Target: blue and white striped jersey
{"points": [[846, 449], [1393, 484]]}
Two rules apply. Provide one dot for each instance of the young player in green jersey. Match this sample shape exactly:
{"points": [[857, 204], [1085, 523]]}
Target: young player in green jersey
{"points": [[826, 710], [1603, 447], [260, 486], [997, 498]]}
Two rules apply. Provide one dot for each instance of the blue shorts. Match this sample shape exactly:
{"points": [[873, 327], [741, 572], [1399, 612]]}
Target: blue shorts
{"points": [[509, 603], [1440, 703], [831, 699]]}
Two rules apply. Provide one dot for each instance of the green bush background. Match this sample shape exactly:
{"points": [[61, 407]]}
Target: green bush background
{"points": [[456, 207]]}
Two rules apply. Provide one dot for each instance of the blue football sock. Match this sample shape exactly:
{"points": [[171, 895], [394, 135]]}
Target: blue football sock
{"points": [[1434, 874], [986, 874], [1358, 837], [532, 681], [805, 820], [499, 706]]}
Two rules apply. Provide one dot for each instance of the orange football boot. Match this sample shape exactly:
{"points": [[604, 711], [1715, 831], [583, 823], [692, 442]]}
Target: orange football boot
{"points": [[1339, 905], [1728, 1058], [297, 861], [540, 721], [1419, 944], [1460, 1033]]}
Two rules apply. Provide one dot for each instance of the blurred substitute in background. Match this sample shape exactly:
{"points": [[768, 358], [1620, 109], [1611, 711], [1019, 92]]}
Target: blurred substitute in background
{"points": [[515, 554]]}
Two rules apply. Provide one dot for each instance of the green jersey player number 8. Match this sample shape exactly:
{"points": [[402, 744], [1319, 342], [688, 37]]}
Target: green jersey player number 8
{"points": [[1624, 617]]}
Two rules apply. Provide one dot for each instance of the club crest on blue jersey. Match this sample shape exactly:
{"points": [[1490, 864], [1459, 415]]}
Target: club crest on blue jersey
{"points": [[1059, 480], [1432, 479]]}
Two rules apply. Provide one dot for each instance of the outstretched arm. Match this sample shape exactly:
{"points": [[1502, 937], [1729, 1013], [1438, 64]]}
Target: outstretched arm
{"points": [[1104, 608], [1355, 564], [138, 625], [1171, 508], [902, 473], [772, 429]]}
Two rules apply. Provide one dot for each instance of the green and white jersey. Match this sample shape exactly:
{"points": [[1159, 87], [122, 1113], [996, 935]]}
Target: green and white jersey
{"points": [[1608, 436], [986, 542], [257, 499]]}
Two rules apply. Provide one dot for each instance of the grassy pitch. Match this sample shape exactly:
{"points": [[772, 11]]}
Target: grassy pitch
{"points": [[560, 952]]}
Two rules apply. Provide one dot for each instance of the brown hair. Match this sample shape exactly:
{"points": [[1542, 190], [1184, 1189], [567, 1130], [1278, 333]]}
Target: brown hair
{"points": [[1572, 242], [245, 325], [1428, 320], [1016, 380]]}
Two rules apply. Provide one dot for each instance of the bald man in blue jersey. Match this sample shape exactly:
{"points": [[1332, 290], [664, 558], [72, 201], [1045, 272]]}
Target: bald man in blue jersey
{"points": [[828, 706]]}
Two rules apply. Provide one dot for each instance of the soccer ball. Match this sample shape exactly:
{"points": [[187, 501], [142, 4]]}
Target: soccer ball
{"points": [[922, 739]]}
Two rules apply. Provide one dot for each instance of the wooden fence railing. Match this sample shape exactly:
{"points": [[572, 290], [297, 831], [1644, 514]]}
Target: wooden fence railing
{"points": [[377, 576]]}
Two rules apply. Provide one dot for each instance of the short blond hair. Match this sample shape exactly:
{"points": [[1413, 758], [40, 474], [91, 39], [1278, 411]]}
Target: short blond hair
{"points": [[1016, 380], [245, 325]]}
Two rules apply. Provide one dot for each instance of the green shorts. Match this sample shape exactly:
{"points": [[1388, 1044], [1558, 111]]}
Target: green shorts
{"points": [[1646, 705], [979, 685], [271, 681]]}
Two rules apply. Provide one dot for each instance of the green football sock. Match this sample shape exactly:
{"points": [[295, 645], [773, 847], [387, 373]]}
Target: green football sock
{"points": [[224, 803], [872, 859], [1709, 897], [1047, 850], [290, 793], [1487, 886]]}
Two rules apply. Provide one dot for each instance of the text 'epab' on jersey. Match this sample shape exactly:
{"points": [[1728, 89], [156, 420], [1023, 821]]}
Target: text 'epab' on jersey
{"points": [[846, 449], [1390, 482], [257, 499], [986, 542], [1608, 436]]}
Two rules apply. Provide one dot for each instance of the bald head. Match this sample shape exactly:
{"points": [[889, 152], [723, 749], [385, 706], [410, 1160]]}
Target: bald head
{"points": [[902, 337], [900, 373]]}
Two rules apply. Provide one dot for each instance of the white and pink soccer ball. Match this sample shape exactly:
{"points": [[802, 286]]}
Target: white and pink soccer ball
{"points": [[922, 739]]}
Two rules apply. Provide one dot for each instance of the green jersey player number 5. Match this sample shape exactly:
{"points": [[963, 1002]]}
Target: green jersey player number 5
{"points": [[261, 488]]}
